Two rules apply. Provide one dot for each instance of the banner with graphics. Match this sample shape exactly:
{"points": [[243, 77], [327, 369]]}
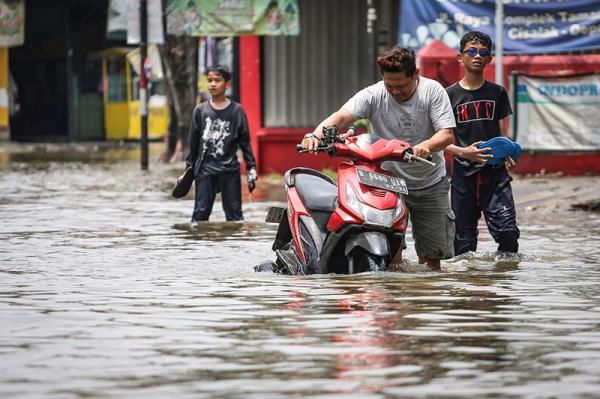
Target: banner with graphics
{"points": [[12, 23], [558, 113], [233, 17], [530, 27]]}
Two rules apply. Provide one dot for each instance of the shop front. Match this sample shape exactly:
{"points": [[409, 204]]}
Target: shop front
{"points": [[121, 100]]}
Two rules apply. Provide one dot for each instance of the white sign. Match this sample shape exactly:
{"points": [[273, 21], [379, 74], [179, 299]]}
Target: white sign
{"points": [[117, 16], [154, 22], [558, 113]]}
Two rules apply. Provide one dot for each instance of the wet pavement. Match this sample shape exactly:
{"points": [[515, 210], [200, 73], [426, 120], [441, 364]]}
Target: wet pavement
{"points": [[555, 192], [108, 292]]}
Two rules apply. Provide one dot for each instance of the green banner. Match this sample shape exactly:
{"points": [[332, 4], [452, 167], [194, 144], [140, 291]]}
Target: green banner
{"points": [[233, 17], [12, 23]]}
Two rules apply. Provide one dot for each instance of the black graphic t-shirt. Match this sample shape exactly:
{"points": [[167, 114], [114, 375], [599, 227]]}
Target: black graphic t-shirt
{"points": [[215, 137], [477, 113]]}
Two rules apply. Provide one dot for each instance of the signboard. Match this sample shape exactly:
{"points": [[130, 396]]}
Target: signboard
{"points": [[124, 21], [558, 113], [12, 23], [233, 17], [154, 22], [541, 26], [117, 16]]}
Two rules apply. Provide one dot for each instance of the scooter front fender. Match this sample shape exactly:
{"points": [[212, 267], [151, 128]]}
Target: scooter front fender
{"points": [[374, 242]]}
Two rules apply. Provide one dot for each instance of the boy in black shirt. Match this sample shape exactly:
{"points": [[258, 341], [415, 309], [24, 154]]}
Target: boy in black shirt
{"points": [[219, 128], [479, 107]]}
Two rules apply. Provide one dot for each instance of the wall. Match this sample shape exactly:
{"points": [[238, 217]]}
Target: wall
{"points": [[289, 84], [307, 77]]}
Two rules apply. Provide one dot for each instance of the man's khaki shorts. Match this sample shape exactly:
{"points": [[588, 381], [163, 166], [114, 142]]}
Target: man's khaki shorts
{"points": [[432, 220]]}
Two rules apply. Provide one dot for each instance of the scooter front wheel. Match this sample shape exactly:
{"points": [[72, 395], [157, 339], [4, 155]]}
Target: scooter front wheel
{"points": [[360, 261]]}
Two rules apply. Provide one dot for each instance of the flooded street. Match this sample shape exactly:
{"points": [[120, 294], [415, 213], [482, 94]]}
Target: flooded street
{"points": [[108, 292]]}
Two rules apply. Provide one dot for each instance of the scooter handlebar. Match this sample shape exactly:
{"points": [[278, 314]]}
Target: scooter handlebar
{"points": [[302, 150], [411, 157]]}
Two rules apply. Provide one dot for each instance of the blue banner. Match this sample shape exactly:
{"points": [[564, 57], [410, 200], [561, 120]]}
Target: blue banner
{"points": [[530, 27]]}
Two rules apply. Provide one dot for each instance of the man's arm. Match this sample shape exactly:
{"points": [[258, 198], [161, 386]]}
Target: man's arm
{"points": [[442, 120], [440, 140], [341, 118]]}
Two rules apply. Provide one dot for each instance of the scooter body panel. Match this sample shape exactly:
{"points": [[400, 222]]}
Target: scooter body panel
{"points": [[340, 218], [295, 210], [370, 148], [373, 242], [373, 197]]}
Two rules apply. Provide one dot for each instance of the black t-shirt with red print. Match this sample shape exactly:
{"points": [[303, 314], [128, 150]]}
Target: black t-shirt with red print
{"points": [[477, 113]]}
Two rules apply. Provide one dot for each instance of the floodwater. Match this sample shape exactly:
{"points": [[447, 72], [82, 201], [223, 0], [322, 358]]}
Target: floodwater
{"points": [[108, 292]]}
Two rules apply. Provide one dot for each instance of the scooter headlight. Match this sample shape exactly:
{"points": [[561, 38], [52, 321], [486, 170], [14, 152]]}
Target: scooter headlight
{"points": [[372, 215], [352, 200], [399, 210]]}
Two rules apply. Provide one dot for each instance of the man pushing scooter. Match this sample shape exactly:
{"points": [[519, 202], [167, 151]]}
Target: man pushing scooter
{"points": [[415, 109]]}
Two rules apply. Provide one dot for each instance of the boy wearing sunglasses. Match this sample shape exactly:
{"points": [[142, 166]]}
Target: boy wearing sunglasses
{"points": [[477, 187]]}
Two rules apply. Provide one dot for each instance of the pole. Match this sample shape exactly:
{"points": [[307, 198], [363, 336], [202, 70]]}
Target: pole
{"points": [[499, 18], [372, 36], [144, 83], [70, 92]]}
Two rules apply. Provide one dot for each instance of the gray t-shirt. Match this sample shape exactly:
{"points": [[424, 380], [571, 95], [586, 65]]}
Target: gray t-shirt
{"points": [[413, 121]]}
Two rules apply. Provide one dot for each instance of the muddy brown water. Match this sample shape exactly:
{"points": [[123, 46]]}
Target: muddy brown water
{"points": [[108, 292]]}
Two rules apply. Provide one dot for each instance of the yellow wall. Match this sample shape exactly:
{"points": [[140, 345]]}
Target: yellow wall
{"points": [[158, 121], [122, 119], [115, 120], [4, 92], [115, 112]]}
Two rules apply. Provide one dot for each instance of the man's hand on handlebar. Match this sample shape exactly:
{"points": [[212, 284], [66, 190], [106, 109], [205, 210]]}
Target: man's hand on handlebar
{"points": [[421, 150], [310, 142]]}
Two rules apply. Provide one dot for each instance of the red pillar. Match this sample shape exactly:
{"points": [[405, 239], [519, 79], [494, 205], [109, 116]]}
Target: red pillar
{"points": [[251, 88]]}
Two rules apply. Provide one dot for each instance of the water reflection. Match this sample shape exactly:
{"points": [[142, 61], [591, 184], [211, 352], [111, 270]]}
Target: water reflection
{"points": [[224, 231], [108, 292]]}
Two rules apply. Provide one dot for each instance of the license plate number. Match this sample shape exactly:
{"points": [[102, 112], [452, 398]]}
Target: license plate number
{"points": [[374, 179]]}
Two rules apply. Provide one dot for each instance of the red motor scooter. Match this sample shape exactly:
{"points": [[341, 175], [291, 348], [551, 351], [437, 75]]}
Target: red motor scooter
{"points": [[352, 227]]}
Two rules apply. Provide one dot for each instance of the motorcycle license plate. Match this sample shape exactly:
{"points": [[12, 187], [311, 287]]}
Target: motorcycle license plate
{"points": [[374, 179]]}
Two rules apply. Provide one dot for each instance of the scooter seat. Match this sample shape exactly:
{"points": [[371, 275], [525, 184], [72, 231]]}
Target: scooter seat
{"points": [[316, 193]]}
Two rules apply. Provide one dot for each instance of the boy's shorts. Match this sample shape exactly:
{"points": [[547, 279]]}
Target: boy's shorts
{"points": [[432, 220]]}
